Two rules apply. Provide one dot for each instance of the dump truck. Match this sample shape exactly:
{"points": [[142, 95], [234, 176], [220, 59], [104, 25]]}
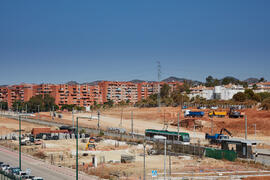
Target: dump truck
{"points": [[217, 113], [189, 113], [217, 138]]}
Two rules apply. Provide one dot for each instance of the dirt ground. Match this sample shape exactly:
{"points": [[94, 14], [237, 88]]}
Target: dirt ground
{"points": [[62, 153], [10, 125], [154, 118], [236, 126]]}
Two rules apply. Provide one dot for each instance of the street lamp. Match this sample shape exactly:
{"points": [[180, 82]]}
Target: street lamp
{"points": [[77, 144], [144, 145], [163, 138], [20, 139]]}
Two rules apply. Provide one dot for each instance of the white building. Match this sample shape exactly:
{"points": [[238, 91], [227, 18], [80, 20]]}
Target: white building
{"points": [[262, 87], [217, 92]]}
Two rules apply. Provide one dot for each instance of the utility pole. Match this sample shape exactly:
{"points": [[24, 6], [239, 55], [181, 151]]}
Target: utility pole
{"points": [[20, 139], [178, 117], [38, 108], [165, 146], [98, 121], [132, 124], [164, 127], [170, 166], [159, 76], [77, 144], [26, 108], [255, 138], [255, 131], [73, 118], [53, 112], [144, 173], [211, 126], [245, 127], [121, 122]]}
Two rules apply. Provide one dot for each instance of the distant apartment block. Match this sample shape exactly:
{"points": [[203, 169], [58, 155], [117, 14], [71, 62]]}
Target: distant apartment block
{"points": [[84, 95]]}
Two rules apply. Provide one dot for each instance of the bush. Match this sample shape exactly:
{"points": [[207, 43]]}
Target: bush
{"points": [[266, 104], [240, 97], [40, 155]]}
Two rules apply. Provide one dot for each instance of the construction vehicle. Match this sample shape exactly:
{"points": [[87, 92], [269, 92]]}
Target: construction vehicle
{"points": [[217, 113], [235, 114], [91, 145], [27, 140], [189, 113], [217, 138]]}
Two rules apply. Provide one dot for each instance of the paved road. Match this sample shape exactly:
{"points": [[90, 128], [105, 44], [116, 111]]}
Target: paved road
{"points": [[40, 168]]}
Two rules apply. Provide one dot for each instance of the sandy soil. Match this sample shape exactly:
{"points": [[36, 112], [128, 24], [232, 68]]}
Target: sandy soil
{"points": [[11, 125], [144, 118], [62, 152]]}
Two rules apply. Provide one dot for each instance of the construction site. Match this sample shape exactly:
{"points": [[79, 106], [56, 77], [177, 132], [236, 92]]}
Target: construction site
{"points": [[117, 143]]}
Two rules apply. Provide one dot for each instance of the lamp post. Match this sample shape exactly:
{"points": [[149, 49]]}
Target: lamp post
{"points": [[20, 139], [77, 134], [77, 144], [163, 138], [144, 145]]}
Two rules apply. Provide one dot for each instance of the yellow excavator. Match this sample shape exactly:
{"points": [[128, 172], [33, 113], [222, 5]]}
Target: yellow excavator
{"points": [[91, 145]]}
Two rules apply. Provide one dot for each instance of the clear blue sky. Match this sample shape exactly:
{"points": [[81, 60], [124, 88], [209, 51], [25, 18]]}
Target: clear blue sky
{"points": [[57, 41]]}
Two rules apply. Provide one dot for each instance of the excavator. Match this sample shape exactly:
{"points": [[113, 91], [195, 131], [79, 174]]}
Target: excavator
{"points": [[217, 138], [91, 145]]}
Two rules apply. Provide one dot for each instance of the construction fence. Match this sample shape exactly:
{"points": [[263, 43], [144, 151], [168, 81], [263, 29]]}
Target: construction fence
{"points": [[220, 154], [196, 150]]}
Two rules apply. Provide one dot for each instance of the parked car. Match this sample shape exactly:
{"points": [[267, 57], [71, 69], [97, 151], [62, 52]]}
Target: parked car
{"points": [[37, 178], [14, 170]]}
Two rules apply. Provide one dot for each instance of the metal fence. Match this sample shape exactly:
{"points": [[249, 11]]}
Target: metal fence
{"points": [[220, 154], [8, 176]]}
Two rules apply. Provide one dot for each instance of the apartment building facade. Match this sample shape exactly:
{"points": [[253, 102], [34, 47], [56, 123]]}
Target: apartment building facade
{"points": [[84, 95], [13, 93]]}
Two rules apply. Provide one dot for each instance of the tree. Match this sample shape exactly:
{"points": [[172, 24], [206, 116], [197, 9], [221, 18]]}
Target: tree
{"points": [[210, 82], [228, 80], [254, 87], [263, 95], [262, 79], [245, 84], [45, 103], [165, 91], [3, 105], [68, 107], [109, 103], [18, 105], [251, 95], [240, 97], [178, 98]]}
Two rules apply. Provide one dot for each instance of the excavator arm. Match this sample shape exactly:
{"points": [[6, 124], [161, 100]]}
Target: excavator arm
{"points": [[228, 132]]}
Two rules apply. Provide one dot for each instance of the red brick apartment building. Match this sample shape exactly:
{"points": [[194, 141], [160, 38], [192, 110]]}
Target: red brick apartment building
{"points": [[84, 95]]}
